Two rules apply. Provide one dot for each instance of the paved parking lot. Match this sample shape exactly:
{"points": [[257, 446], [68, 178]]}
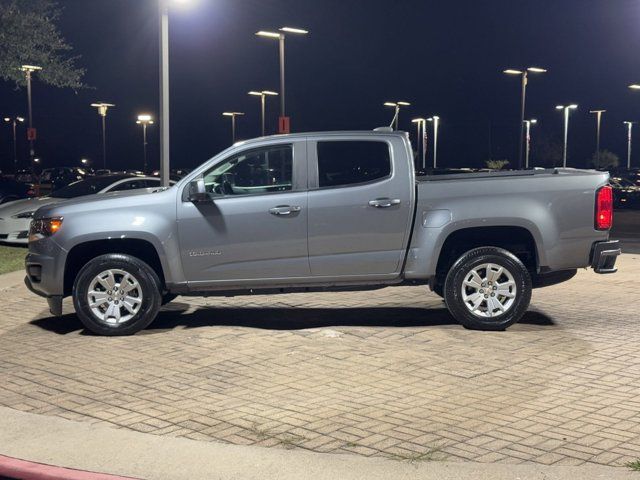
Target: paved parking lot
{"points": [[375, 373]]}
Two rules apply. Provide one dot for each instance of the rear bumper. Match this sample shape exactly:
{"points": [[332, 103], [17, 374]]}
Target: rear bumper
{"points": [[604, 256]]}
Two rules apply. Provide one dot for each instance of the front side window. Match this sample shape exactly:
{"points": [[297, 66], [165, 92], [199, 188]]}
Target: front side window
{"points": [[261, 170], [343, 163]]}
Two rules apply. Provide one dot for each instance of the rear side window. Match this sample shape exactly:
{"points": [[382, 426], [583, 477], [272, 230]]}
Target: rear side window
{"points": [[352, 162]]}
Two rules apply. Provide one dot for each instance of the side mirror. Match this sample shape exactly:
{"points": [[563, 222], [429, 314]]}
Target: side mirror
{"points": [[197, 191]]}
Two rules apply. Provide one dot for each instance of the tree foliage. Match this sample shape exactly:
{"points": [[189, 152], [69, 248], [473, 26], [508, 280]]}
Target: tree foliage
{"points": [[606, 160], [29, 36], [496, 164]]}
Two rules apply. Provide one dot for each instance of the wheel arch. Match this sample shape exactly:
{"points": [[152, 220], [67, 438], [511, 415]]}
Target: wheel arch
{"points": [[84, 252]]}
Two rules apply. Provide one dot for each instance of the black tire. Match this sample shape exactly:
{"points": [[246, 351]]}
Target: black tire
{"points": [[453, 294], [168, 298], [148, 283]]}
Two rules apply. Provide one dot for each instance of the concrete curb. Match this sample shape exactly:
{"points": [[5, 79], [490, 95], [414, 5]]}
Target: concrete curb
{"points": [[16, 468], [97, 448]]}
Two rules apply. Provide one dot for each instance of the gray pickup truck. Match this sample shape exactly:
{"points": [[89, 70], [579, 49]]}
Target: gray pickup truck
{"points": [[318, 212]]}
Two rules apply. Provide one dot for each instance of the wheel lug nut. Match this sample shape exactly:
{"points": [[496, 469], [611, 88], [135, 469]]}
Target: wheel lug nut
{"points": [[110, 298], [486, 296], [495, 288], [481, 290], [116, 302], [493, 295], [109, 292]]}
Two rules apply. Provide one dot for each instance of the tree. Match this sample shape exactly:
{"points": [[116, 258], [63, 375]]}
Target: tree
{"points": [[606, 161], [29, 36], [496, 164]]}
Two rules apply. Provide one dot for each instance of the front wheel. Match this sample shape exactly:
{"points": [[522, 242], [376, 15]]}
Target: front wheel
{"points": [[116, 294], [488, 288]]}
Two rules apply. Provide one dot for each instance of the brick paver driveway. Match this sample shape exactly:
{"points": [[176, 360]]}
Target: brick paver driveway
{"points": [[376, 373]]}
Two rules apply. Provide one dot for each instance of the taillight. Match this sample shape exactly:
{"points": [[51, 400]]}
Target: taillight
{"points": [[604, 208]]}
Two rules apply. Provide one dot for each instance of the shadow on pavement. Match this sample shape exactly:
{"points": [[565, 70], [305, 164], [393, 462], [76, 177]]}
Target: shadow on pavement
{"points": [[286, 318]]}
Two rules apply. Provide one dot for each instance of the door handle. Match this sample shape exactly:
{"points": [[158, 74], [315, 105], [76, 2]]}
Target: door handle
{"points": [[284, 210], [384, 202]]}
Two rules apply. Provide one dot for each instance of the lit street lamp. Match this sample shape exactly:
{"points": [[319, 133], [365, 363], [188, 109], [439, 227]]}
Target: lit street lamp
{"points": [[629, 128], [524, 73], [396, 116], [233, 116], [102, 111], [598, 114], [528, 124], [31, 132], [263, 94], [284, 125], [85, 162], [14, 122], [436, 123], [421, 140], [145, 120], [566, 110]]}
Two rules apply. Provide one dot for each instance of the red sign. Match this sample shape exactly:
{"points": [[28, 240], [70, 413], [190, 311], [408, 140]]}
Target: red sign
{"points": [[31, 134], [284, 125]]}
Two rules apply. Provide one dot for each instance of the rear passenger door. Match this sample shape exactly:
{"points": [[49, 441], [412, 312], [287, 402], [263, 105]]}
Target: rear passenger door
{"points": [[360, 202]]}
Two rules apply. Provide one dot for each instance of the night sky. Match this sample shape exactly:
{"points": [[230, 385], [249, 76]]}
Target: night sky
{"points": [[445, 57]]}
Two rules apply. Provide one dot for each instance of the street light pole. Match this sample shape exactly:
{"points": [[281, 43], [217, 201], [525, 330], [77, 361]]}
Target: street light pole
{"points": [[528, 124], [164, 93], [31, 133], [233, 116], [421, 139], [436, 123], [629, 129], [144, 120], [263, 94], [102, 111], [396, 117], [524, 73], [598, 114], [284, 121], [566, 110], [14, 121]]}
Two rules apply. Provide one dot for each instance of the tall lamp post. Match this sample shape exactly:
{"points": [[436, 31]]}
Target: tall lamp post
{"points": [[145, 120], [14, 123], [436, 124], [528, 124], [284, 124], [524, 73], [598, 114], [566, 110], [233, 116], [629, 130], [396, 116], [421, 140], [102, 111], [31, 132], [263, 95]]}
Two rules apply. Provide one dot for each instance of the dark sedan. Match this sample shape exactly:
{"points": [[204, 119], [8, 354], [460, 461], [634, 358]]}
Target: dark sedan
{"points": [[11, 190]]}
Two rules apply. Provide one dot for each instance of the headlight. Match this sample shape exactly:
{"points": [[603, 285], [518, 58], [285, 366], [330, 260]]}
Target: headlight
{"points": [[44, 227], [25, 215]]}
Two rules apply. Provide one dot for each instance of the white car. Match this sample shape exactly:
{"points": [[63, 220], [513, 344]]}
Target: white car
{"points": [[15, 217]]}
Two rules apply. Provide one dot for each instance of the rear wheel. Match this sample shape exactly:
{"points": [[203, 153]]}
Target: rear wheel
{"points": [[116, 294], [488, 288]]}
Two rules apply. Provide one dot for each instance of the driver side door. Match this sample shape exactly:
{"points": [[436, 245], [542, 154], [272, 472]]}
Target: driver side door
{"points": [[255, 225]]}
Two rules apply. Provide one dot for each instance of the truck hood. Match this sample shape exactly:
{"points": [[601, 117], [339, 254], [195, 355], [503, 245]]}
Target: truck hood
{"points": [[111, 200]]}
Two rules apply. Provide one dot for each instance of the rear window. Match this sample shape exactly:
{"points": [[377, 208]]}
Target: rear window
{"points": [[351, 162]]}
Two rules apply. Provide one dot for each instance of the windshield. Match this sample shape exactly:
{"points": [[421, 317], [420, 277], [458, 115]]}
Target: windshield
{"points": [[85, 187]]}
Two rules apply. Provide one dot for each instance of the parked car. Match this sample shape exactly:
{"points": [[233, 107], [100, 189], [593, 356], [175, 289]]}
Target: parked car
{"points": [[625, 193], [11, 190], [25, 176], [15, 217], [323, 211], [52, 179]]}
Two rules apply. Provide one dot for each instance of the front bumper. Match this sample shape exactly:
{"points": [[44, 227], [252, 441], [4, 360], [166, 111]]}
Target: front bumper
{"points": [[604, 256]]}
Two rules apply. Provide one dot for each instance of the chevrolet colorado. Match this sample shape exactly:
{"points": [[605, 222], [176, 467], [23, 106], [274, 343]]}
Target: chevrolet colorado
{"points": [[322, 211]]}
